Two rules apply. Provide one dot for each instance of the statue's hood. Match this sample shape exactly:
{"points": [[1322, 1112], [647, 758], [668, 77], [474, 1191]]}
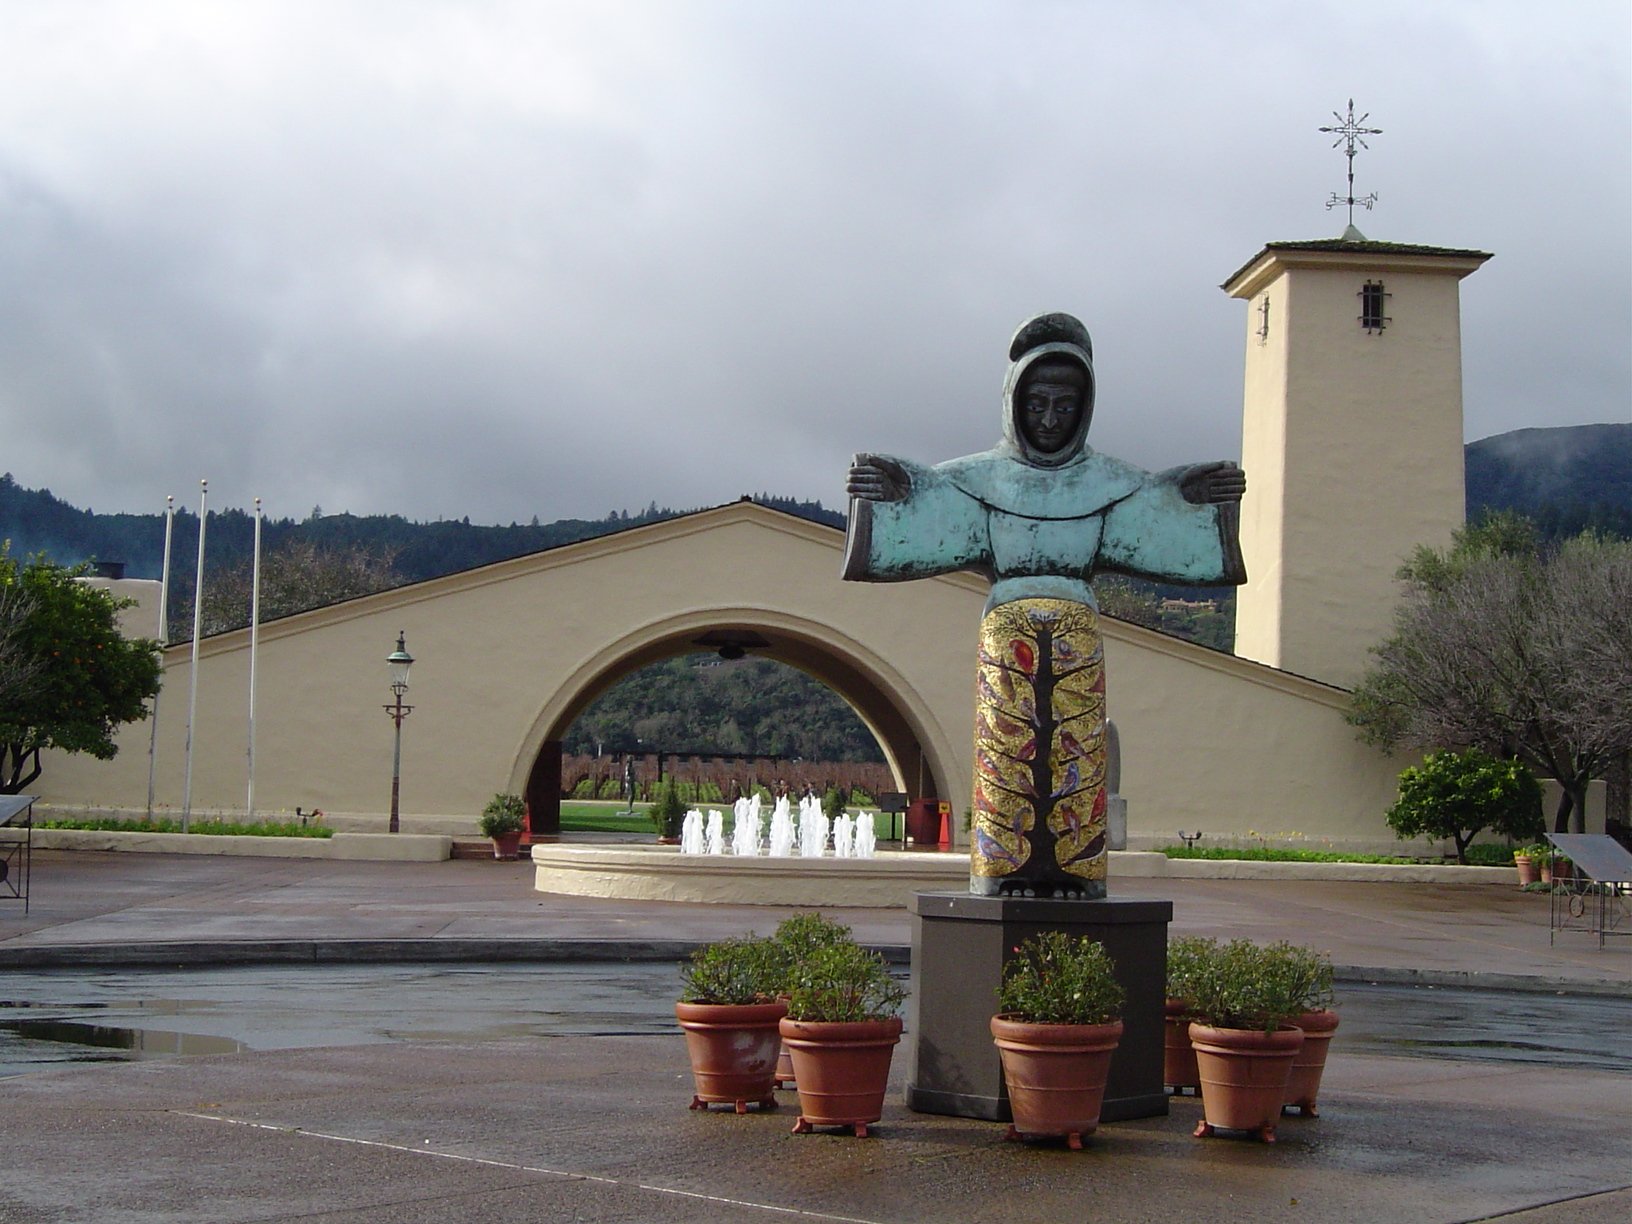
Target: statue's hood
{"points": [[1047, 336], [1013, 476]]}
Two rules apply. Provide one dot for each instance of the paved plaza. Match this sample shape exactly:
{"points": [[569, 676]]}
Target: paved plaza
{"points": [[596, 1128]]}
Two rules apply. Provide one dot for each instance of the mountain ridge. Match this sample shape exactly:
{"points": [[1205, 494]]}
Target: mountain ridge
{"points": [[1568, 478]]}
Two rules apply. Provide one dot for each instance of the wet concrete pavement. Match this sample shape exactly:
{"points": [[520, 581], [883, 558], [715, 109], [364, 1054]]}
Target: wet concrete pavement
{"points": [[595, 1128], [170, 909]]}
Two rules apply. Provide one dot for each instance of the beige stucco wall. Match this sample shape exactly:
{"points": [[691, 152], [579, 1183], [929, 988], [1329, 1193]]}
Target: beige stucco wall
{"points": [[508, 654], [508, 651], [141, 617], [1352, 442]]}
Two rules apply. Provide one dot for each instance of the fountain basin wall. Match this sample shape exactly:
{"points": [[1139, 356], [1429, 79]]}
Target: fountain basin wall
{"points": [[662, 873]]}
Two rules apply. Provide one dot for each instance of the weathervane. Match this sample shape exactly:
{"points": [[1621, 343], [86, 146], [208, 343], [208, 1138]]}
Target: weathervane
{"points": [[1350, 132]]}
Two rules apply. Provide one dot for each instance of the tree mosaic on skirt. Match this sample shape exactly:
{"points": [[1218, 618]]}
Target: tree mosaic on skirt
{"points": [[1039, 794]]}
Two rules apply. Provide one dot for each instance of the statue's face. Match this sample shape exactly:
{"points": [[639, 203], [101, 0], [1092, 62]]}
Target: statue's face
{"points": [[1051, 402]]}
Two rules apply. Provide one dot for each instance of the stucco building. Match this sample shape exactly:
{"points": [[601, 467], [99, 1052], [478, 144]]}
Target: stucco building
{"points": [[1352, 439]]}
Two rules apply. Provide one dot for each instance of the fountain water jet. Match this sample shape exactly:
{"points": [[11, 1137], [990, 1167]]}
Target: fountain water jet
{"points": [[866, 842], [691, 833], [782, 830]]}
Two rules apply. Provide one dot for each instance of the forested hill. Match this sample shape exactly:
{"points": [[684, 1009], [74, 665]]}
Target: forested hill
{"points": [[1567, 479], [36, 521]]}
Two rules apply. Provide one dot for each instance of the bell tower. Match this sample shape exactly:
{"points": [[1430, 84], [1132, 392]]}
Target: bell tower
{"points": [[1351, 438]]}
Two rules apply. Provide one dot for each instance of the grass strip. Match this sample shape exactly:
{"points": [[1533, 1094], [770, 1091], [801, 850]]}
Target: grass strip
{"points": [[217, 828], [1478, 856]]}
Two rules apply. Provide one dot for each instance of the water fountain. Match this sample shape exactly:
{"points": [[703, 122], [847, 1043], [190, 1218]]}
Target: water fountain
{"points": [[805, 834], [806, 861]]}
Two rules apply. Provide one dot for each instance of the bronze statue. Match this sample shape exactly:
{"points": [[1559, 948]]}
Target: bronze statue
{"points": [[1038, 515]]}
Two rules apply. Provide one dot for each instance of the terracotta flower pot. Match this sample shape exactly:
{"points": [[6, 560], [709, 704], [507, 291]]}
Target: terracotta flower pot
{"points": [[1178, 1055], [1527, 869], [1303, 1086], [841, 1069], [507, 845], [784, 1068], [1243, 1077], [1055, 1075], [784, 1060], [733, 1051]]}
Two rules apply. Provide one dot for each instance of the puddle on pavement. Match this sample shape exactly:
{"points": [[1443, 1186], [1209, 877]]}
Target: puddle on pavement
{"points": [[137, 1043], [51, 1018], [59, 1017]]}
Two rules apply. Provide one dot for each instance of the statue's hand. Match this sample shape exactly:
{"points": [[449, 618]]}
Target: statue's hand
{"points": [[877, 478], [1212, 484]]}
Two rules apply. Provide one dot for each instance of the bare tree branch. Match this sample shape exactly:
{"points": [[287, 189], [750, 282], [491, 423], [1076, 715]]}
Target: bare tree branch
{"points": [[1514, 653]]}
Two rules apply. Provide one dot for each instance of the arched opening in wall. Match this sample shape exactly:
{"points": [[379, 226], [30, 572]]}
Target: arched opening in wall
{"points": [[720, 727], [729, 708]]}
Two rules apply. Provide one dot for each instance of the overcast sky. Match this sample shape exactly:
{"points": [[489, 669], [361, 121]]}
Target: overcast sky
{"points": [[507, 259]]}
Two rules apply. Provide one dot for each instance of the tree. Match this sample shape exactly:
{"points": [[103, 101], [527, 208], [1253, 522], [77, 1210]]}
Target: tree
{"points": [[87, 678], [294, 578], [668, 810], [1502, 646], [1119, 597], [18, 666], [1458, 795]]}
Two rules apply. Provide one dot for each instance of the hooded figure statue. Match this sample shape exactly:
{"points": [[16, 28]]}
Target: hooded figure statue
{"points": [[1038, 516]]}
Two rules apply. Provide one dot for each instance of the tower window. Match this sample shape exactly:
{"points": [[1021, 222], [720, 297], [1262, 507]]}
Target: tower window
{"points": [[1263, 320], [1373, 302]]}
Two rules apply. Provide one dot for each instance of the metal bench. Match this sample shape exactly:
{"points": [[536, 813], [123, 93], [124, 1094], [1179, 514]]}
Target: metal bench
{"points": [[1593, 898], [16, 847]]}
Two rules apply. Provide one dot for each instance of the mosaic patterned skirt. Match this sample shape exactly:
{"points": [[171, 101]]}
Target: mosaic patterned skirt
{"points": [[1039, 799]]}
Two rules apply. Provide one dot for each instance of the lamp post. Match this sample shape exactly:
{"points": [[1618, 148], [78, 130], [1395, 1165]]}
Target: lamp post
{"points": [[399, 660]]}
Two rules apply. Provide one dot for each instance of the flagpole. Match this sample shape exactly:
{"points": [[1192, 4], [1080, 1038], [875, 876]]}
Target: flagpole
{"points": [[164, 640], [198, 621], [254, 644]]}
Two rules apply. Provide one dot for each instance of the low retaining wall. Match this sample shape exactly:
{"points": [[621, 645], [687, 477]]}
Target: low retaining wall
{"points": [[1138, 865], [369, 847]]}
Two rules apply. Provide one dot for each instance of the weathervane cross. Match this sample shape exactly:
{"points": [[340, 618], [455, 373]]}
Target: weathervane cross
{"points": [[1350, 132]]}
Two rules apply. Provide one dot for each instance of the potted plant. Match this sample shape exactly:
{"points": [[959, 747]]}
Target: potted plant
{"points": [[729, 1012], [796, 938], [842, 1027], [1525, 860], [1244, 997], [1059, 1022], [1555, 866], [1318, 1022], [503, 819], [667, 813], [1185, 956]]}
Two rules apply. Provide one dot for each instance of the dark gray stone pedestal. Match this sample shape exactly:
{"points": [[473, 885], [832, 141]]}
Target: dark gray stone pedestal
{"points": [[960, 943]]}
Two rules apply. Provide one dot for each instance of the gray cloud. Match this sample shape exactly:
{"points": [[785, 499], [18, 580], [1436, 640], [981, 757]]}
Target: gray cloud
{"points": [[513, 259]]}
